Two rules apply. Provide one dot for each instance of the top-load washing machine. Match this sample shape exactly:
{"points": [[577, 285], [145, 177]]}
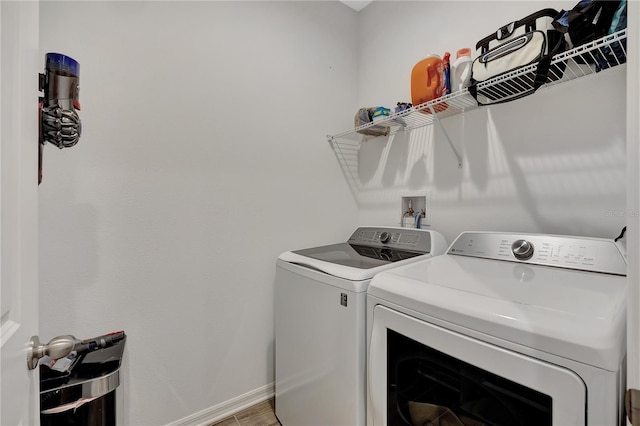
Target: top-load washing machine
{"points": [[504, 329], [320, 325]]}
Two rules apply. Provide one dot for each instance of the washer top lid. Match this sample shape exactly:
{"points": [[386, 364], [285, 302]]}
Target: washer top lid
{"points": [[587, 254], [562, 310], [370, 250]]}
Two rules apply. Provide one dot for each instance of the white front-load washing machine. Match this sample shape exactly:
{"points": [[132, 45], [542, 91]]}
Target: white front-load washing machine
{"points": [[504, 329], [320, 324]]}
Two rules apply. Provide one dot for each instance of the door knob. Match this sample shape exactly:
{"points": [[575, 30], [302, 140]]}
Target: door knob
{"points": [[57, 348]]}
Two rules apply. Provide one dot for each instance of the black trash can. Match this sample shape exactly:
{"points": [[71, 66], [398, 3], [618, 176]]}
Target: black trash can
{"points": [[85, 395]]}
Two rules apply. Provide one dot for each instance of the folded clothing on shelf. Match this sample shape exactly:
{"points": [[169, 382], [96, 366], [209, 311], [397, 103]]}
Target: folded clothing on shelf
{"points": [[365, 116]]}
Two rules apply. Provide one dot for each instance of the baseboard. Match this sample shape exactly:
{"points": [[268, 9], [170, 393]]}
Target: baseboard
{"points": [[228, 408]]}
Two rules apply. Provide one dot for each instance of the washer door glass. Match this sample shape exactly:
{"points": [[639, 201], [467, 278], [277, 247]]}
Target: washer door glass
{"points": [[420, 373]]}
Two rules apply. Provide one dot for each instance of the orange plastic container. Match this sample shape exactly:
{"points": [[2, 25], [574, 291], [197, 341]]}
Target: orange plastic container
{"points": [[427, 82]]}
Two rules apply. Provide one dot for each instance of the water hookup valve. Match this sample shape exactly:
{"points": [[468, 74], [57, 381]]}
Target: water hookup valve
{"points": [[59, 122]]}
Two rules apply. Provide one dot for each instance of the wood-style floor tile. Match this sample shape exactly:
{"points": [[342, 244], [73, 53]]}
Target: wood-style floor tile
{"points": [[231, 421], [262, 414]]}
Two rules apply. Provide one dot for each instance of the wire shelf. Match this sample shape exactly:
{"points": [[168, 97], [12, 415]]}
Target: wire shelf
{"points": [[590, 58]]}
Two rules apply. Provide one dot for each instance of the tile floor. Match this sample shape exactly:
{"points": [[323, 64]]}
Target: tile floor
{"points": [[262, 414]]}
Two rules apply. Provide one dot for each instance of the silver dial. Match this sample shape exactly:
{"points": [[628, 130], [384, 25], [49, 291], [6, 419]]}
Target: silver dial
{"points": [[522, 249], [385, 237]]}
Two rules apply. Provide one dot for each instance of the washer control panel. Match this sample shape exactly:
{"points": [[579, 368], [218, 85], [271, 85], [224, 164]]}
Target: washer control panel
{"points": [[589, 254], [396, 238]]}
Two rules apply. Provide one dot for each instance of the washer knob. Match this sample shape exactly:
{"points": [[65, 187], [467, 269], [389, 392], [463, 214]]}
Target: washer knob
{"points": [[385, 237], [522, 249]]}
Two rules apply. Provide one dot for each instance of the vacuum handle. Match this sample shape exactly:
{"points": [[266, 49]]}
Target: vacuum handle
{"points": [[99, 342]]}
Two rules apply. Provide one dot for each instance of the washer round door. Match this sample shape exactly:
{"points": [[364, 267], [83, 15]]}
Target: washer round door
{"points": [[419, 372]]}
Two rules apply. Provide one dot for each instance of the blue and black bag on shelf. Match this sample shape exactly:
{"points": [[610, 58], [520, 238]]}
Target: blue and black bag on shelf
{"points": [[590, 20]]}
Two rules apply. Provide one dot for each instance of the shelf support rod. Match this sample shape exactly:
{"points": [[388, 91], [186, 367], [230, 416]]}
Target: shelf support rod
{"points": [[446, 135], [344, 166]]}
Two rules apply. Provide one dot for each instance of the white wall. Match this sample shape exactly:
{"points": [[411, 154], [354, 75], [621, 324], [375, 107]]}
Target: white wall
{"points": [[203, 156], [553, 162]]}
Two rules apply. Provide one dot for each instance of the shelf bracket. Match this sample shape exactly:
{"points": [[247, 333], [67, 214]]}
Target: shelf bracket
{"points": [[446, 135], [348, 173]]}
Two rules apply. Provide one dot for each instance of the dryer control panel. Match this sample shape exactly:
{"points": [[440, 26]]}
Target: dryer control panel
{"points": [[583, 253]]}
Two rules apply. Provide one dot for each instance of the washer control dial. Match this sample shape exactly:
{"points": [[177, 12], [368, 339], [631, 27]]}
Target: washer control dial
{"points": [[385, 237], [522, 249]]}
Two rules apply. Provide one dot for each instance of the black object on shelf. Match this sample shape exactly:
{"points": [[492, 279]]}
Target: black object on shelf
{"points": [[85, 394]]}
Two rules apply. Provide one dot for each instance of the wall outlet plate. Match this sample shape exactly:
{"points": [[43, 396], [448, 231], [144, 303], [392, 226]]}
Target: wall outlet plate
{"points": [[412, 204]]}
